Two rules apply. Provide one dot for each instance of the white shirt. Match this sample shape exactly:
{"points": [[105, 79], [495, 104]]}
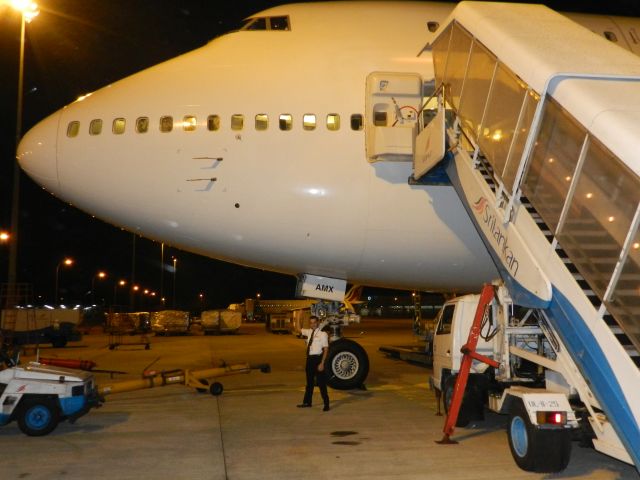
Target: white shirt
{"points": [[320, 340]]}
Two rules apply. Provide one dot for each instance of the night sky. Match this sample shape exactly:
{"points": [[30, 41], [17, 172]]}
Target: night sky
{"points": [[78, 46]]}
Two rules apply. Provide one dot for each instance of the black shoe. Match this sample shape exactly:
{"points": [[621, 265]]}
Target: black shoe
{"points": [[304, 405], [326, 408]]}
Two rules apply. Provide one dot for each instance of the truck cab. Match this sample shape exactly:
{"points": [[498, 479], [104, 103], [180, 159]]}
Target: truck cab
{"points": [[453, 323]]}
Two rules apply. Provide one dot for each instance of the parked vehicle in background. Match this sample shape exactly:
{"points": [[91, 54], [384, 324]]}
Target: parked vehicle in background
{"points": [[128, 323], [41, 325], [220, 321], [169, 322]]}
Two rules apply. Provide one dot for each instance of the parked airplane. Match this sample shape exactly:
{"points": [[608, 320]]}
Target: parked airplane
{"points": [[284, 145]]}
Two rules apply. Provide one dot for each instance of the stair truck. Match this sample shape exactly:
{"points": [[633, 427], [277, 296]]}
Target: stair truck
{"points": [[521, 368]]}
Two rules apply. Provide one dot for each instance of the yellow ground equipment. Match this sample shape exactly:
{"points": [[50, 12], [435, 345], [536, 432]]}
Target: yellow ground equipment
{"points": [[201, 380]]}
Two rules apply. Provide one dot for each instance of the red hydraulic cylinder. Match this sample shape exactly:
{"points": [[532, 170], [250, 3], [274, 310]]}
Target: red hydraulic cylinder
{"points": [[470, 354]]}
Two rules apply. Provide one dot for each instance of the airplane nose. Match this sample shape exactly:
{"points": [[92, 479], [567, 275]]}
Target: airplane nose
{"points": [[37, 152]]}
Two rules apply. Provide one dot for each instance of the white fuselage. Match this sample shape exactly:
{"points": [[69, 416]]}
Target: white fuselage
{"points": [[290, 201]]}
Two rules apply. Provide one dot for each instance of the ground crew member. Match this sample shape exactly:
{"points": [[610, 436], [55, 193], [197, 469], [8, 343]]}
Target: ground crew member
{"points": [[317, 351]]}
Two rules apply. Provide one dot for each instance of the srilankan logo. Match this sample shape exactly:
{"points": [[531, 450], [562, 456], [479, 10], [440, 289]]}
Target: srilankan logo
{"points": [[490, 223]]}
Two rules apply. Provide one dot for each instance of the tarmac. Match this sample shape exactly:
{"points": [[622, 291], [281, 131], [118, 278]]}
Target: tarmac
{"points": [[254, 430]]}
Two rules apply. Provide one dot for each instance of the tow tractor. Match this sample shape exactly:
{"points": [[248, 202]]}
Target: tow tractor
{"points": [[40, 396], [487, 352]]}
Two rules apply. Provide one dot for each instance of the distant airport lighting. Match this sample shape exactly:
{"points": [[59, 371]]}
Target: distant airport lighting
{"points": [[146, 291], [68, 261], [27, 8], [4, 237], [122, 283], [136, 288], [102, 275]]}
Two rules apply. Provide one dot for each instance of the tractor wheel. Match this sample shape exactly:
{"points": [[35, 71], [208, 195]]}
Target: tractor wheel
{"points": [[38, 417]]}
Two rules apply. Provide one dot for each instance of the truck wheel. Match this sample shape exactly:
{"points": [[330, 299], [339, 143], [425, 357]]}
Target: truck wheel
{"points": [[38, 417], [348, 365], [464, 416], [535, 449]]}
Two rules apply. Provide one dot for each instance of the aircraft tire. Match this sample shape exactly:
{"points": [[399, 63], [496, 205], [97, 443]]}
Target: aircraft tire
{"points": [[535, 449], [347, 365]]}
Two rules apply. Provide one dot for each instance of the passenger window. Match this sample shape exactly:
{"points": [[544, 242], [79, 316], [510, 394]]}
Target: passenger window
{"points": [[118, 126], [286, 121], [95, 127], [189, 123], [262, 121], [380, 119], [166, 123], [610, 36], [432, 26], [309, 121], [444, 326], [333, 121], [72, 129], [356, 121], [237, 121], [213, 123], [142, 125], [279, 23]]}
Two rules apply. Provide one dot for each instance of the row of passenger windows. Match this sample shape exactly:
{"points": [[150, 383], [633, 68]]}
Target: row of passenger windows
{"points": [[189, 123]]}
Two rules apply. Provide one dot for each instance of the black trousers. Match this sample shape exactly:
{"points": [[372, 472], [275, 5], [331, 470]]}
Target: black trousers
{"points": [[313, 375]]}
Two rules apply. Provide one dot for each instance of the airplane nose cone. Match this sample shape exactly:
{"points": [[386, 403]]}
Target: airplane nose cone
{"points": [[37, 152]]}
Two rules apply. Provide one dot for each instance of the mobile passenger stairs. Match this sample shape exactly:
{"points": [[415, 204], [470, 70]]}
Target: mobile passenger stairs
{"points": [[540, 141]]}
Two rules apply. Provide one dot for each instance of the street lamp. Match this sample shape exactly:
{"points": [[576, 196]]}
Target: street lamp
{"points": [[4, 237], [101, 275], [28, 11], [67, 262], [175, 274], [120, 283]]}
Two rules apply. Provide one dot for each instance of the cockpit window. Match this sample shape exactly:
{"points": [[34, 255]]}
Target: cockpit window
{"points": [[279, 23], [267, 23], [256, 24]]}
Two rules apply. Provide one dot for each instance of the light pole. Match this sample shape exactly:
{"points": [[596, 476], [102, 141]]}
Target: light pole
{"points": [[28, 11], [101, 275], [175, 274], [120, 283], [66, 262]]}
